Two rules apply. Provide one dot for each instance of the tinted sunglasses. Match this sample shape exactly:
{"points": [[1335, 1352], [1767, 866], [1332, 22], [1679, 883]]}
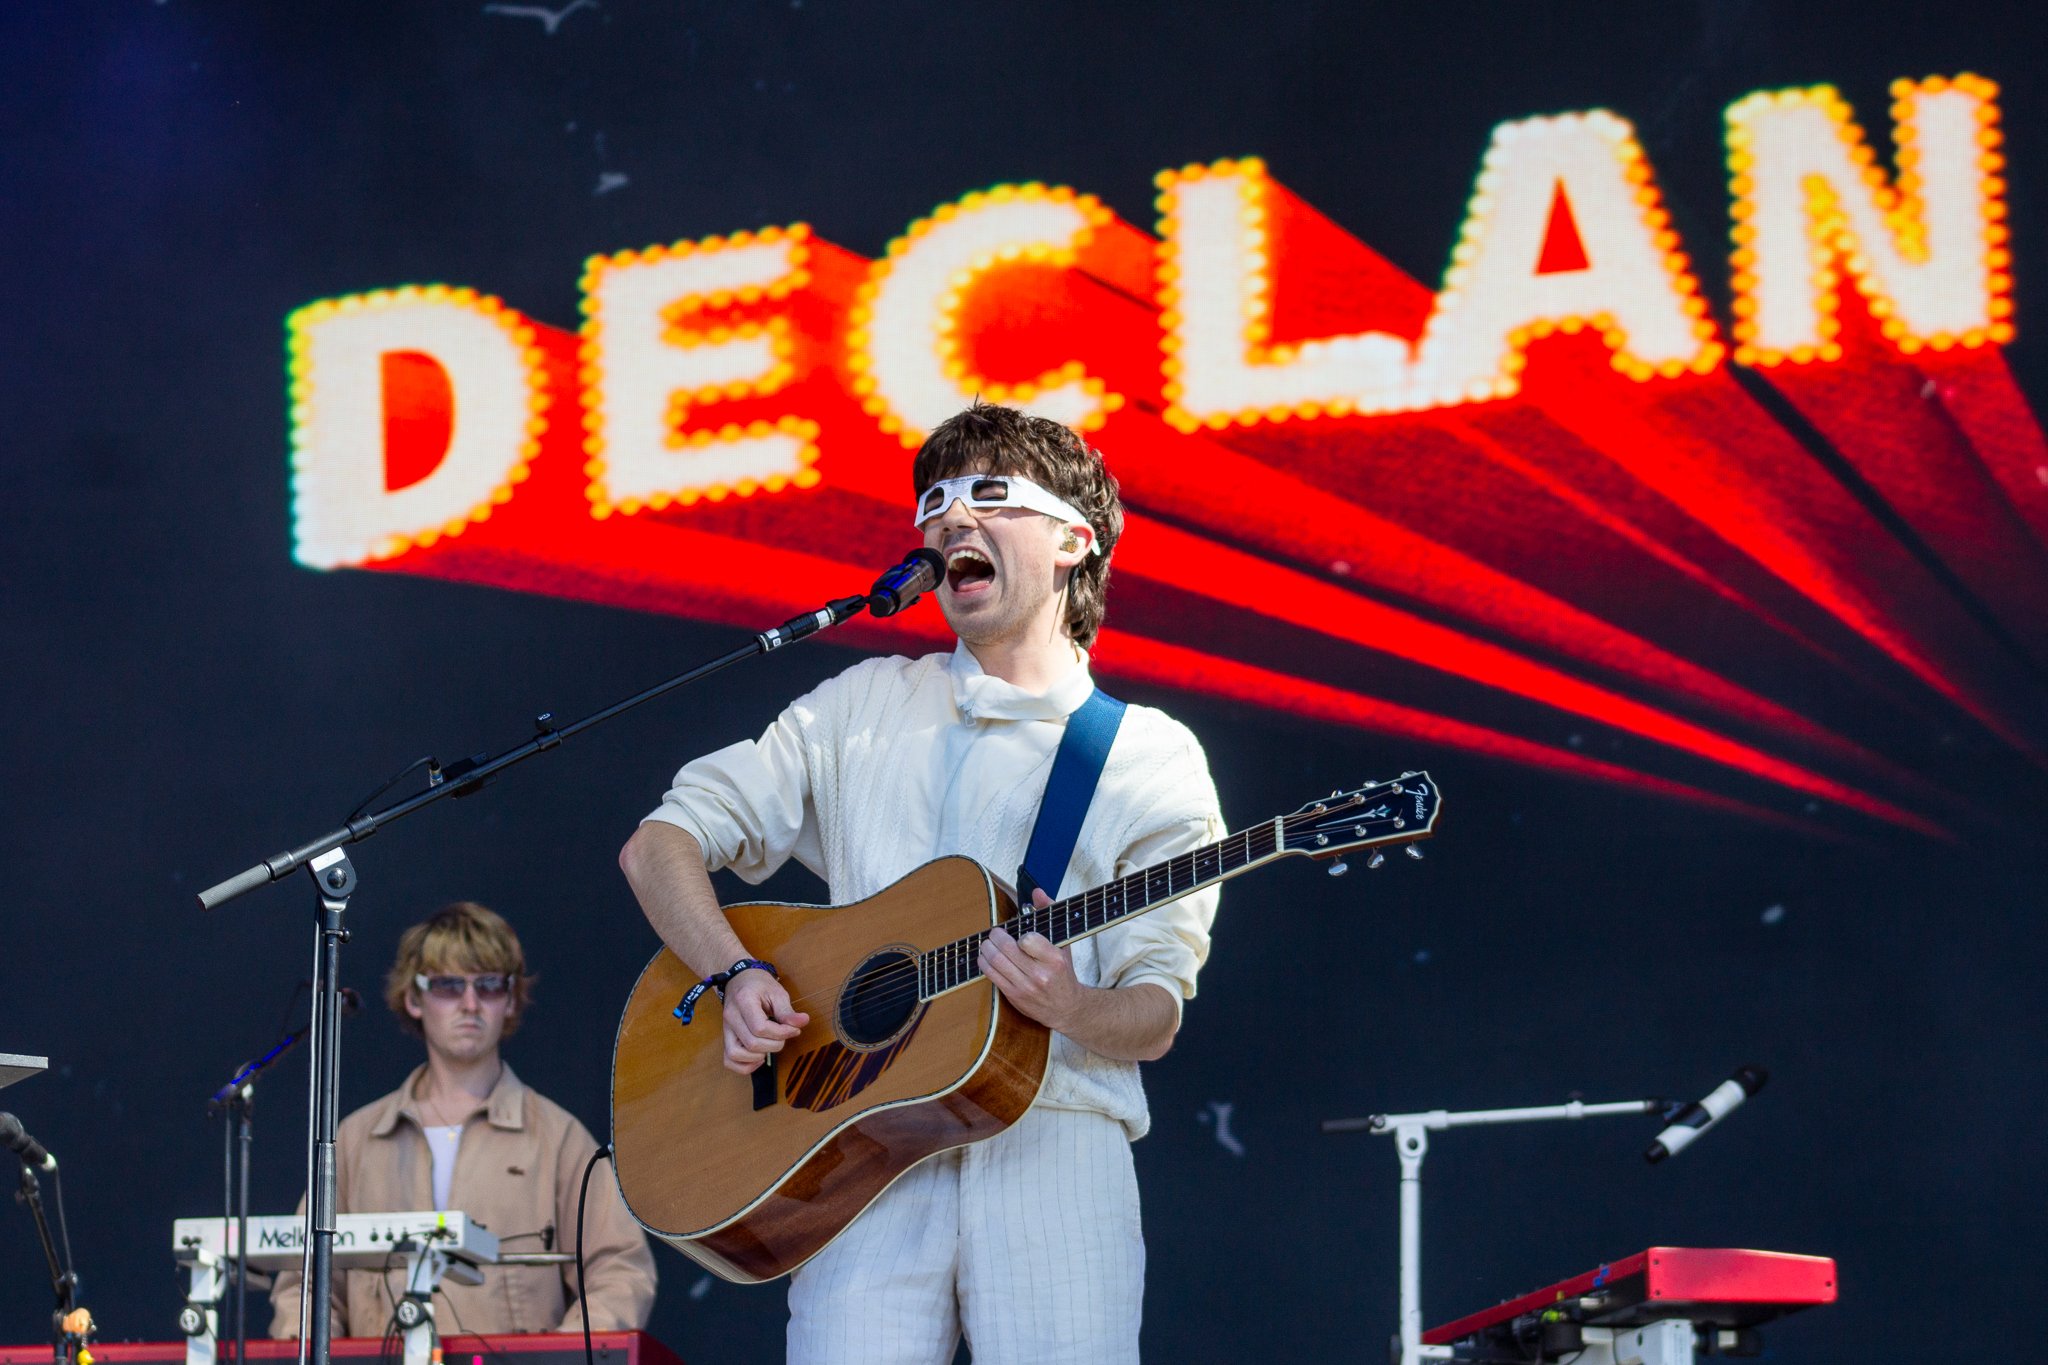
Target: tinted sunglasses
{"points": [[998, 490], [489, 985]]}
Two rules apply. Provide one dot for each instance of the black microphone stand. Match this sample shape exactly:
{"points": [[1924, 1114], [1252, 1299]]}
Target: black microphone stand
{"points": [[236, 1101], [334, 880], [65, 1337]]}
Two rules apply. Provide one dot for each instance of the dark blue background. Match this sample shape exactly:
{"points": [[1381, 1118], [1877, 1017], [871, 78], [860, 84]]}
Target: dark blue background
{"points": [[175, 177]]}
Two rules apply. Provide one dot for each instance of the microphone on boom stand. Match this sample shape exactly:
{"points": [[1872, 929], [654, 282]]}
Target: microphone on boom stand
{"points": [[16, 1140], [1694, 1119], [920, 572]]}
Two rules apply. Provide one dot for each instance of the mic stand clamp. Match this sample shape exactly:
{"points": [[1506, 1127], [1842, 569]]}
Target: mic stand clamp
{"points": [[810, 623]]}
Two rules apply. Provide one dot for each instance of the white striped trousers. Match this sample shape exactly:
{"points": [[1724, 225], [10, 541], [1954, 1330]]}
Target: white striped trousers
{"points": [[1028, 1244]]}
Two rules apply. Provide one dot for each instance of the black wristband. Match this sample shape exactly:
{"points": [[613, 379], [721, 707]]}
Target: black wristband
{"points": [[716, 982]]}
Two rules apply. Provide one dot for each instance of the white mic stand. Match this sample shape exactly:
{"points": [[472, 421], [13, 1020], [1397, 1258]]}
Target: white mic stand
{"points": [[1411, 1140]]}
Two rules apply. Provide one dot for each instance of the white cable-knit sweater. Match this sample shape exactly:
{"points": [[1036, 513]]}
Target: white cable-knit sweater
{"points": [[898, 761]]}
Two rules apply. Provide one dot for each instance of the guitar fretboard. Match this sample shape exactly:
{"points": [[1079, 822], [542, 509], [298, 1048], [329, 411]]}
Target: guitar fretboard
{"points": [[952, 965]]}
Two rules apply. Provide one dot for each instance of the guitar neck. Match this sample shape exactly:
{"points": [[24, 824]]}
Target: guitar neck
{"points": [[950, 966]]}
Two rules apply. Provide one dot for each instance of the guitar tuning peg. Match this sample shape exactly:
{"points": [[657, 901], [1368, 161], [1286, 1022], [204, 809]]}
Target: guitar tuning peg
{"points": [[1339, 868], [1377, 860], [1412, 851]]}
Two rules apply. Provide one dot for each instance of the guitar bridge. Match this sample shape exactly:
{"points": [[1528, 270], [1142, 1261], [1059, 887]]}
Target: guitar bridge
{"points": [[766, 1090]]}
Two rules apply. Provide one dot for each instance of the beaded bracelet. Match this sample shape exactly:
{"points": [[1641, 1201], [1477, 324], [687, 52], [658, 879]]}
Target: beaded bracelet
{"points": [[716, 982]]}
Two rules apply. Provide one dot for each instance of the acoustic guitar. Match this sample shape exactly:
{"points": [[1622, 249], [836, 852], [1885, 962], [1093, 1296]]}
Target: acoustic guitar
{"points": [[910, 1050]]}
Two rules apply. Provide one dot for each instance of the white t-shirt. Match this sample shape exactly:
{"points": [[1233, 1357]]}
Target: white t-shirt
{"points": [[442, 1141], [898, 761]]}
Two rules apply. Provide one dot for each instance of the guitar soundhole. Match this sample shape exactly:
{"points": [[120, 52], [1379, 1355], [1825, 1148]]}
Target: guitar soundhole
{"points": [[879, 999]]}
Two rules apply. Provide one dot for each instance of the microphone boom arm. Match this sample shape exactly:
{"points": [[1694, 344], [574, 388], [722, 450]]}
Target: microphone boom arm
{"points": [[547, 735]]}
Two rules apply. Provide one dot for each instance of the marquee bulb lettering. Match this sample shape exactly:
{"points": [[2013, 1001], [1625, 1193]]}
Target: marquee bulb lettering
{"points": [[654, 352], [1927, 250], [345, 509], [695, 380]]}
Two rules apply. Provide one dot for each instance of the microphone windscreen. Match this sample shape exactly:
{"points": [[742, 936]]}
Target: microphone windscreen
{"points": [[920, 572]]}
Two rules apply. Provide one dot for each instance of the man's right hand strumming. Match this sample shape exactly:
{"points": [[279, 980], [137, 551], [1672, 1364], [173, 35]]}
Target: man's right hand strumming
{"points": [[665, 866], [759, 1019]]}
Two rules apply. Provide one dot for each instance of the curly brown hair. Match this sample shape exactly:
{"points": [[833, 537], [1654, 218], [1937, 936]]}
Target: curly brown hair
{"points": [[460, 937], [989, 438]]}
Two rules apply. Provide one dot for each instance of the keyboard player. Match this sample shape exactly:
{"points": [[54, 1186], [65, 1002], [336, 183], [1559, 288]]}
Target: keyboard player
{"points": [[462, 1132]]}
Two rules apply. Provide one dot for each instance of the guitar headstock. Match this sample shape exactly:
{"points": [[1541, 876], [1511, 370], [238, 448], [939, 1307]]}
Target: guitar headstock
{"points": [[1399, 811]]}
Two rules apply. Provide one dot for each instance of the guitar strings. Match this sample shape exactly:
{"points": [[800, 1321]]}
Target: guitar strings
{"points": [[885, 985], [1028, 919], [894, 991], [914, 966]]}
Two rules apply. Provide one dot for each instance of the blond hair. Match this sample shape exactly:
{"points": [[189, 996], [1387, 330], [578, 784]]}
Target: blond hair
{"points": [[460, 937]]}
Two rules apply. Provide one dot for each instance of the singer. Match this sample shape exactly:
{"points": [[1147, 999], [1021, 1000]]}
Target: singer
{"points": [[1029, 1243]]}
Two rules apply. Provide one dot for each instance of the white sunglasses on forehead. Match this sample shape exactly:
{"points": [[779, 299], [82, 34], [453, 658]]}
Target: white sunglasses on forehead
{"points": [[998, 490]]}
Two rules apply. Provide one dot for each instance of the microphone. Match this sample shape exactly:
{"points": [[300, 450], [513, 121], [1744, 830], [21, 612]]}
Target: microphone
{"points": [[1688, 1123], [245, 1079], [22, 1145], [920, 572]]}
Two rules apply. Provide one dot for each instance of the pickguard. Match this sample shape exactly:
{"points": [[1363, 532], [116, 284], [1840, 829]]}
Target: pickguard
{"points": [[833, 1074]]}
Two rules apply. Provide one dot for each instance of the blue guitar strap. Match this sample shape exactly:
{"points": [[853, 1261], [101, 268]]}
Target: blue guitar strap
{"points": [[1076, 768]]}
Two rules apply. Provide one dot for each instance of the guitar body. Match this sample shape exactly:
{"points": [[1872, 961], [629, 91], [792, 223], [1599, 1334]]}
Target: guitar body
{"points": [[751, 1177]]}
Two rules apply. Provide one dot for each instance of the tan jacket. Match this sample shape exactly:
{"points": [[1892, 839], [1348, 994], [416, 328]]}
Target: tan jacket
{"points": [[517, 1170]]}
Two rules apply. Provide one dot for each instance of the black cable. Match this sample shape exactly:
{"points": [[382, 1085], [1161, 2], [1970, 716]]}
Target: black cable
{"points": [[388, 1348], [491, 1348], [284, 1017], [407, 771], [462, 1329], [582, 1291], [64, 1233]]}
